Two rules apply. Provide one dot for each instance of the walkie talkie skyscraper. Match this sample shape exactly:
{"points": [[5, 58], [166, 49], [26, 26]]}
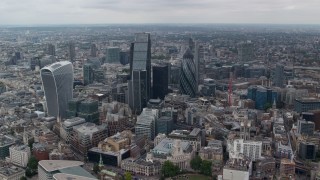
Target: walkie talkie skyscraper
{"points": [[57, 82]]}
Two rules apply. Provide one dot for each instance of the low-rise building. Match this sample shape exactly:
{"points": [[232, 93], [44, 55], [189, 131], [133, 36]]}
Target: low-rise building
{"points": [[5, 143], [19, 155], [179, 152], [239, 169], [287, 168], [214, 151], [10, 172], [48, 168], [145, 167], [194, 137]]}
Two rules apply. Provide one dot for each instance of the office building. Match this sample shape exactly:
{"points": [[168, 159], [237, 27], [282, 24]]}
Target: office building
{"points": [[47, 169], [113, 55], [245, 51], [10, 172], [40, 151], [305, 127], [145, 125], [194, 137], [239, 169], [88, 109], [93, 50], [306, 104], [262, 96], [160, 81], [188, 81], [307, 150], [67, 127], [208, 88], [57, 82], [164, 125], [19, 155], [113, 149], [287, 169], [279, 77], [73, 107], [51, 50], [124, 57], [139, 85], [99, 75], [88, 74], [72, 52], [249, 149], [5, 143], [86, 136]]}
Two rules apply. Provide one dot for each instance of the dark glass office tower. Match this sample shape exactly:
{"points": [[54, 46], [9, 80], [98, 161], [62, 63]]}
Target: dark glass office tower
{"points": [[160, 81], [72, 51], [279, 76], [88, 74], [140, 72], [188, 83]]}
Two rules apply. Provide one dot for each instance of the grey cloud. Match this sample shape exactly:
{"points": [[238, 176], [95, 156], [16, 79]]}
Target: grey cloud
{"points": [[158, 11]]}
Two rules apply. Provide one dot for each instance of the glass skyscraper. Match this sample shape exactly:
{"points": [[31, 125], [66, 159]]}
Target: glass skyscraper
{"points": [[57, 81], [140, 72], [188, 83]]}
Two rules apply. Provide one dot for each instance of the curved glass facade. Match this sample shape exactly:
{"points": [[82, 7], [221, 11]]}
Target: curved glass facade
{"points": [[188, 83], [57, 82]]}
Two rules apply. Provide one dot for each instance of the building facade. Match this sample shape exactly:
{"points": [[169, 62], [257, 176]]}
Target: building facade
{"points": [[19, 155], [188, 81], [139, 85], [57, 82]]}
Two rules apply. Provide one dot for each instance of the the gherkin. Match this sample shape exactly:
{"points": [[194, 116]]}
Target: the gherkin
{"points": [[188, 83]]}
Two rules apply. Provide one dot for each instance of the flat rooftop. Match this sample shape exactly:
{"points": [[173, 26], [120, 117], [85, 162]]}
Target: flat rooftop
{"points": [[53, 165]]}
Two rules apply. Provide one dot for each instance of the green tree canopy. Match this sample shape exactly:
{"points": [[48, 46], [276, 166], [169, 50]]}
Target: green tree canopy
{"points": [[23, 178], [195, 163], [169, 169], [96, 168], [127, 176], [206, 168], [32, 163]]}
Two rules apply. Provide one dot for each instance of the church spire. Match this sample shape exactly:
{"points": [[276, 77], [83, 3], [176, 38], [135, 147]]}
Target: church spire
{"points": [[101, 162], [274, 105]]}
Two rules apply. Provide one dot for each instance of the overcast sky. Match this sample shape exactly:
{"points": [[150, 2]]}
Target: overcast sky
{"points": [[159, 11]]}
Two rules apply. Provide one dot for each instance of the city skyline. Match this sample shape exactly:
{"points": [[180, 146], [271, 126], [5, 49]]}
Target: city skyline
{"points": [[33, 12]]}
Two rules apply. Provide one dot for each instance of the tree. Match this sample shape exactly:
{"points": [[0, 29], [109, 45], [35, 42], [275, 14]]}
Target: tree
{"points": [[127, 176], [195, 163], [267, 106], [23, 178], [29, 172], [96, 168], [32, 163], [169, 169], [206, 168]]}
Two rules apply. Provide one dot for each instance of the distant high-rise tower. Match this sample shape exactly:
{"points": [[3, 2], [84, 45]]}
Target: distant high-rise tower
{"points": [[93, 50], [140, 72], [279, 77], [245, 51], [188, 75], [72, 51], [160, 81], [51, 50], [57, 82], [113, 55], [88, 74]]}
